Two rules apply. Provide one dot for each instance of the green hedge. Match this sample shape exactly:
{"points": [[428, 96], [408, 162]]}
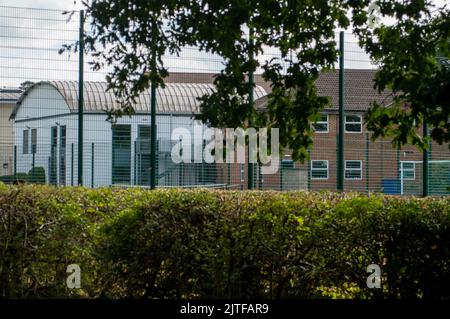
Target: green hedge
{"points": [[218, 244], [36, 175], [11, 179]]}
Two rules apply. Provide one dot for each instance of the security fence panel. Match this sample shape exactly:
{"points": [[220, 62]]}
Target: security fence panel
{"points": [[41, 109]]}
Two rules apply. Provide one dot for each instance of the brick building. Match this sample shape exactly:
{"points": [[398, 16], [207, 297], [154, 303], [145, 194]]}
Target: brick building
{"points": [[369, 165]]}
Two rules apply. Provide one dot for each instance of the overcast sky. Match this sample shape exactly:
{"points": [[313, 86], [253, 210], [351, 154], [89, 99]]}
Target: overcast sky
{"points": [[30, 40], [47, 4]]}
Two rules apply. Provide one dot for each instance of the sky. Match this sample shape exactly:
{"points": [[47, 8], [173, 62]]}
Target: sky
{"points": [[30, 40], [47, 4], [76, 4]]}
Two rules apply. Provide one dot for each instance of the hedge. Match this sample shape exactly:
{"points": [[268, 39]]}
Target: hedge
{"points": [[218, 244], [36, 175]]}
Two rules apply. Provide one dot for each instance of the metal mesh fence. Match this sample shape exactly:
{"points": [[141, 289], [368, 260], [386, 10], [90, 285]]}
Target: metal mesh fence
{"points": [[39, 123]]}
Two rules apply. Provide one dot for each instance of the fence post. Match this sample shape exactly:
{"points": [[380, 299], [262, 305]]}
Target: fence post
{"points": [[153, 131], [135, 166], [71, 165], [367, 162], [340, 174], [281, 178], [80, 99], [250, 102], [425, 162], [308, 170], [92, 165], [260, 177], [33, 163], [181, 173], [399, 172], [15, 163], [430, 176]]}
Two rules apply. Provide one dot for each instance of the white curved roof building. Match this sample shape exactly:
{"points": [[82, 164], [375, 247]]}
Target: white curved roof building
{"points": [[46, 133]]}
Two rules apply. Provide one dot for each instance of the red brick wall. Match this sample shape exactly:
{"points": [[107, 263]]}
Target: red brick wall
{"points": [[383, 161]]}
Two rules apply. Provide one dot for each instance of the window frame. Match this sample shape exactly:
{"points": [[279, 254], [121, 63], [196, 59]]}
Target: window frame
{"points": [[353, 169], [327, 170], [323, 122], [142, 155], [287, 163], [122, 147], [353, 123], [413, 170]]}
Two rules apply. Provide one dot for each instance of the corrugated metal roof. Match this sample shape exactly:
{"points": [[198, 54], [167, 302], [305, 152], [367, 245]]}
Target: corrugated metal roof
{"points": [[175, 98], [9, 95]]}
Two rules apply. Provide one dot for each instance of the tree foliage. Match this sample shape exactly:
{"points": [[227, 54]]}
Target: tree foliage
{"points": [[131, 36], [413, 54]]}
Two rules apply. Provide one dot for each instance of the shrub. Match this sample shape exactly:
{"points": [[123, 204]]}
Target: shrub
{"points": [[217, 244], [278, 245], [44, 229], [11, 179], [36, 175]]}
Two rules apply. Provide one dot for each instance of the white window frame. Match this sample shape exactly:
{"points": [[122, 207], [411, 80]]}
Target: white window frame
{"points": [[360, 123], [287, 162], [413, 170], [322, 122], [320, 169], [353, 169]]}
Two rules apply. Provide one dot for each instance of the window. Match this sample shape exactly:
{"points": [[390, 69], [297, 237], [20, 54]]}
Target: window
{"points": [[319, 169], [321, 126], [408, 171], [353, 123], [33, 141], [142, 154], [287, 163], [121, 154], [353, 169], [62, 154], [53, 178], [25, 141]]}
